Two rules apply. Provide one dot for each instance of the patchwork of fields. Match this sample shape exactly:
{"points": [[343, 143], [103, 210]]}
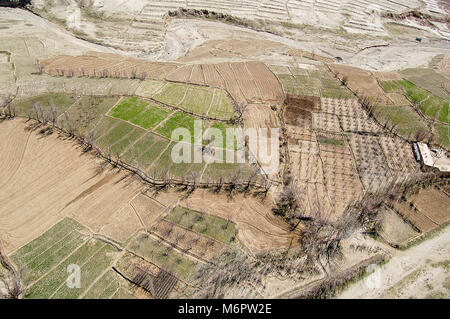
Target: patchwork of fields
{"points": [[108, 224], [424, 105], [138, 130], [304, 67], [48, 258], [337, 152], [246, 82]]}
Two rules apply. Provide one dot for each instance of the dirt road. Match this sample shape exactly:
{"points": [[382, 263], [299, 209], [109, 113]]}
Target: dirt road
{"points": [[409, 273]]}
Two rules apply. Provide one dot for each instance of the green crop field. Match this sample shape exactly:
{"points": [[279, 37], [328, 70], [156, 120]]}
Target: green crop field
{"points": [[148, 142], [172, 94], [128, 108], [406, 121], [215, 171], [149, 87], [105, 287], [151, 154], [218, 228], [113, 130], [127, 127], [139, 112], [391, 86], [124, 143], [413, 92], [442, 135], [222, 106], [436, 108], [427, 79], [222, 127], [162, 256], [179, 120], [91, 268], [60, 101], [46, 260], [197, 100], [431, 105], [87, 111]]}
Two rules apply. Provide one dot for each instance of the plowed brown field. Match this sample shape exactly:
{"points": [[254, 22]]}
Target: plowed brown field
{"points": [[250, 82]]}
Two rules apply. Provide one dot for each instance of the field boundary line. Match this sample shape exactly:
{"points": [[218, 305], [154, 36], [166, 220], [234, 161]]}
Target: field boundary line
{"points": [[134, 210], [128, 147], [121, 97], [235, 79], [109, 130], [67, 110], [160, 154], [179, 108], [148, 148], [153, 130], [184, 96], [212, 100], [123, 138]]}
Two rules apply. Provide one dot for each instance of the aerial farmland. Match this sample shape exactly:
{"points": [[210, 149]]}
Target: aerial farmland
{"points": [[224, 149]]}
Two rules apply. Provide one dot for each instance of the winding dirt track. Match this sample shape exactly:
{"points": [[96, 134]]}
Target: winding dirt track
{"points": [[404, 263]]}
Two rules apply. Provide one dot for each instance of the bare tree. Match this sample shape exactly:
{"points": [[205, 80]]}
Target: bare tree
{"points": [[13, 281], [240, 109]]}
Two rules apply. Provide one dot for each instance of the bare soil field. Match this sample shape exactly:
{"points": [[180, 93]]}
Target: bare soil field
{"points": [[216, 50], [361, 81], [96, 64], [434, 204], [341, 177], [415, 217], [395, 230]]}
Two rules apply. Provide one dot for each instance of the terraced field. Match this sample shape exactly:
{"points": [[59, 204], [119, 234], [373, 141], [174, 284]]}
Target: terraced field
{"points": [[313, 68], [421, 104], [245, 81], [313, 82], [136, 130], [48, 258], [140, 27]]}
